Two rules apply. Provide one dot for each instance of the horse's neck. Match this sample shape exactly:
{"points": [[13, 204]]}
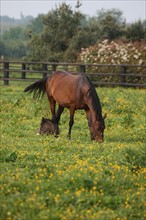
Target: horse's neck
{"points": [[92, 114], [93, 101], [95, 114]]}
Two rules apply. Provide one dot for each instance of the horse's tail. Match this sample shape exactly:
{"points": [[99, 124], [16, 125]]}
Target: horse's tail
{"points": [[38, 88]]}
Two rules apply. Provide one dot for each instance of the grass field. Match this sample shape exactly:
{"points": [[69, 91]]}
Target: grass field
{"points": [[44, 178]]}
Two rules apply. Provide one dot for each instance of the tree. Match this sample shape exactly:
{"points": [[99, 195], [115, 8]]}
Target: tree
{"points": [[109, 28], [135, 31], [13, 43], [36, 25], [110, 23], [2, 49], [60, 26]]}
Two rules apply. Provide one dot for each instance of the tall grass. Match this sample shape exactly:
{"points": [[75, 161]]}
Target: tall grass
{"points": [[44, 178]]}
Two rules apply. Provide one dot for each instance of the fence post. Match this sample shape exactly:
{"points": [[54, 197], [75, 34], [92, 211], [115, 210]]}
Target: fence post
{"points": [[45, 69], [82, 68], [123, 76], [6, 72], [23, 74]]}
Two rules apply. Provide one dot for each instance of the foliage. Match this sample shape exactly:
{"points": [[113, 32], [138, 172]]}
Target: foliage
{"points": [[47, 178], [136, 31], [111, 24], [65, 32], [60, 25], [114, 52], [7, 23], [14, 37], [14, 43], [36, 25], [60, 34]]}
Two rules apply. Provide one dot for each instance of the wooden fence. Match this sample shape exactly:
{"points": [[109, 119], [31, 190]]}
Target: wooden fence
{"points": [[100, 74]]}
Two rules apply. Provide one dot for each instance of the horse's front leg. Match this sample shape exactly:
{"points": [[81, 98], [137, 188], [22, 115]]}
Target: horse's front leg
{"points": [[71, 122], [59, 112]]}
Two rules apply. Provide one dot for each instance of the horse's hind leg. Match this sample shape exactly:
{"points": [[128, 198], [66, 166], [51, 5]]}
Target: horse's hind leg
{"points": [[58, 114], [71, 122], [54, 119]]}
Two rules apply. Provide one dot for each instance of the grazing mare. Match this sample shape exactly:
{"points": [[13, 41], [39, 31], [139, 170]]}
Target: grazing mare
{"points": [[72, 92]]}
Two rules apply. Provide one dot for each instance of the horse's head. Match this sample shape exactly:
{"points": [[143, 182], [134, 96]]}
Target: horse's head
{"points": [[97, 129], [46, 127]]}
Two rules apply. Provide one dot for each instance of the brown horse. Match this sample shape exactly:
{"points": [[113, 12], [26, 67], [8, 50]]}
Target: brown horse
{"points": [[73, 92]]}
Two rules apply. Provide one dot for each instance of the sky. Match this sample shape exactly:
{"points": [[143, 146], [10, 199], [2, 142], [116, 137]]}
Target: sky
{"points": [[133, 10]]}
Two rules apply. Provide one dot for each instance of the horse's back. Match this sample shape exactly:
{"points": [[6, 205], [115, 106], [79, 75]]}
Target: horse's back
{"points": [[63, 81], [63, 76], [66, 88]]}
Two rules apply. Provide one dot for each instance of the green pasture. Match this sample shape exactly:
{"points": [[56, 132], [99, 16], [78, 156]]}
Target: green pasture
{"points": [[44, 178]]}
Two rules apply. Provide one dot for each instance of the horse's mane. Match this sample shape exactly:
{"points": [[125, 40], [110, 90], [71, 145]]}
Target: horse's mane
{"points": [[92, 94]]}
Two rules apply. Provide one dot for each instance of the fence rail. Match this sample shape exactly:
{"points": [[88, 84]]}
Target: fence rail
{"points": [[100, 74]]}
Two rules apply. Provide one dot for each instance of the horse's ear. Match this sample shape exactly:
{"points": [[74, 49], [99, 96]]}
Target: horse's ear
{"points": [[105, 115]]}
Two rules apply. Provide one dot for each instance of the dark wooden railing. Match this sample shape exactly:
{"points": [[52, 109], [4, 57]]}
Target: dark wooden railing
{"points": [[100, 74]]}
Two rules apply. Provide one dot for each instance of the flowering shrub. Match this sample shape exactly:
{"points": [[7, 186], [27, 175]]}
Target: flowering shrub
{"points": [[114, 53]]}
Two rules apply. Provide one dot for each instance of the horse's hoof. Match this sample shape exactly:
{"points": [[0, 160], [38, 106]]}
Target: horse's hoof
{"points": [[68, 137]]}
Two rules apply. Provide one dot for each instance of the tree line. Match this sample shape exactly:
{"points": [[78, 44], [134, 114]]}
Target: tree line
{"points": [[63, 32]]}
